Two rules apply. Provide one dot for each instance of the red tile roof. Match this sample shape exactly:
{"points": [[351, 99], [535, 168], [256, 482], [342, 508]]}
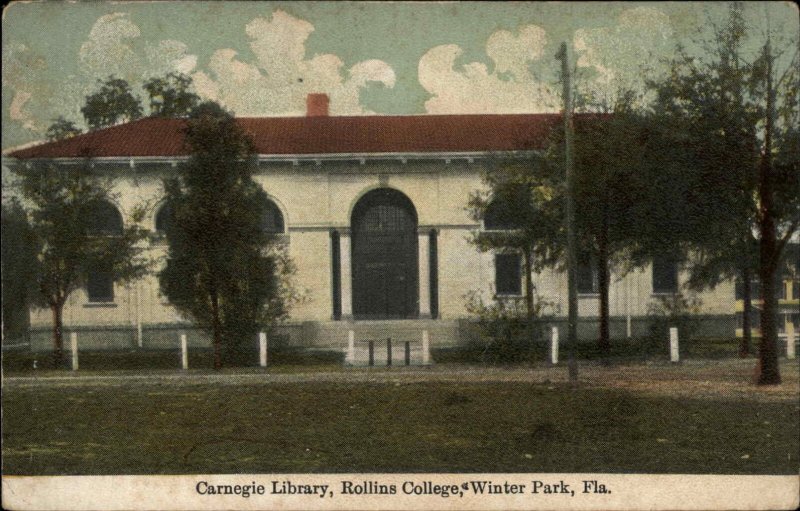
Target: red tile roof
{"points": [[319, 135]]}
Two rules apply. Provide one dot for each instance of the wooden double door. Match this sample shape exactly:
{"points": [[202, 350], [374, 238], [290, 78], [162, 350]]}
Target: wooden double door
{"points": [[385, 257]]}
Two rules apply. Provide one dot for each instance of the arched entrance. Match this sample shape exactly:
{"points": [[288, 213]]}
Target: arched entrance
{"points": [[385, 257]]}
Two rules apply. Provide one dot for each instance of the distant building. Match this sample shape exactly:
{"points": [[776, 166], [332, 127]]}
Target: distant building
{"points": [[787, 293], [373, 210]]}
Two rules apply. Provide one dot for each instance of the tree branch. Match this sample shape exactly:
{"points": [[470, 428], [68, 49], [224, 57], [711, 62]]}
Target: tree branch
{"points": [[785, 238]]}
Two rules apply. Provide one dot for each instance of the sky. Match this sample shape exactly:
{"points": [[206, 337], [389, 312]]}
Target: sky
{"points": [[388, 58]]}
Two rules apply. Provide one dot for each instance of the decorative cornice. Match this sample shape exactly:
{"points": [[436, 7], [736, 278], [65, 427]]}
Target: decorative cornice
{"points": [[295, 159]]}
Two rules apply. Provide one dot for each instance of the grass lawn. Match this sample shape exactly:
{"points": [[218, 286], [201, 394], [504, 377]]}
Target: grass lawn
{"points": [[390, 425]]}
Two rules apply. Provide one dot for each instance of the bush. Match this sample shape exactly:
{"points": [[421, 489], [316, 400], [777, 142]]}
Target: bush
{"points": [[674, 311], [502, 328]]}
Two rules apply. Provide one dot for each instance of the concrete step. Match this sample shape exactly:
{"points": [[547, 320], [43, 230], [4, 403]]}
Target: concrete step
{"points": [[336, 334], [360, 354]]}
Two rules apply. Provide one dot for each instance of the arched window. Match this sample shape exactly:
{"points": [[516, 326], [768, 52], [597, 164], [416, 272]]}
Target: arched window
{"points": [[163, 218], [105, 219], [273, 219]]}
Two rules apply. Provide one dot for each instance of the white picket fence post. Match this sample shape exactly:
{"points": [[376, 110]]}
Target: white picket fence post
{"points": [[73, 340], [790, 342], [184, 353], [554, 345], [674, 354], [351, 347], [262, 349], [426, 347]]}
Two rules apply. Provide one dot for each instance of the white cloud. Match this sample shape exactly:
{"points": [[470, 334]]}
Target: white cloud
{"points": [[111, 50], [167, 56], [107, 51], [281, 76], [623, 54], [17, 110], [510, 88]]}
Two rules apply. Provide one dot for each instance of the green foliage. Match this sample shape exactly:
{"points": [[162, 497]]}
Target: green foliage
{"points": [[608, 191], [502, 327], [114, 102], [222, 268], [609, 197], [725, 152], [62, 129], [675, 310], [61, 206], [18, 269], [524, 198], [170, 95], [705, 147]]}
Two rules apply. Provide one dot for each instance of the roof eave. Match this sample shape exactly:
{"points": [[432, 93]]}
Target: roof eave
{"points": [[447, 156]]}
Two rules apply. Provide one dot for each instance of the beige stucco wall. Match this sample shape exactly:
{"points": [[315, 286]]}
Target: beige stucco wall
{"points": [[318, 197]]}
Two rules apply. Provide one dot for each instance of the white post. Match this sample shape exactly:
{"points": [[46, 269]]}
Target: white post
{"points": [[554, 345], [262, 349], [184, 353], [790, 351], [346, 280], [674, 355], [73, 339], [426, 348], [628, 325], [351, 347], [139, 341], [424, 275]]}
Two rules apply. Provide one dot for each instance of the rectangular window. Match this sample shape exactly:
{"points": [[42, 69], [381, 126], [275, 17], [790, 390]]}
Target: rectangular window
{"points": [[588, 281], [508, 274], [100, 286], [665, 275], [781, 291]]}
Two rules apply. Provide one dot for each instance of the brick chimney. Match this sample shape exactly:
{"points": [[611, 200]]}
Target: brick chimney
{"points": [[317, 105]]}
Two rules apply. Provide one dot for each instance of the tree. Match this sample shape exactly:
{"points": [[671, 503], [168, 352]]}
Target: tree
{"points": [[62, 129], [521, 213], [65, 207], [113, 103], [170, 95], [726, 155], [608, 156], [219, 269], [18, 265]]}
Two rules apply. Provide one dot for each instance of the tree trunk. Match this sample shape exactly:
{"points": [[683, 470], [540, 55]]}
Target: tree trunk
{"points": [[747, 308], [769, 372], [529, 298], [602, 276], [58, 336], [216, 329]]}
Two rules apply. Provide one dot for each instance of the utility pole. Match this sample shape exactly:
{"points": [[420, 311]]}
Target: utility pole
{"points": [[572, 259]]}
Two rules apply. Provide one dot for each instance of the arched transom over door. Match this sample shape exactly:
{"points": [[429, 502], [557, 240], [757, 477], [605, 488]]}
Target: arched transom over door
{"points": [[385, 257]]}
